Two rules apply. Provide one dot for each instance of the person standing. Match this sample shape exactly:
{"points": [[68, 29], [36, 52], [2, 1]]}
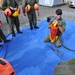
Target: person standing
{"points": [[13, 6], [31, 14], [3, 38], [60, 28]]}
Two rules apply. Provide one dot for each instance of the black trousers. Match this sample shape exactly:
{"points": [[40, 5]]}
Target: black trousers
{"points": [[32, 18], [2, 36], [14, 21]]}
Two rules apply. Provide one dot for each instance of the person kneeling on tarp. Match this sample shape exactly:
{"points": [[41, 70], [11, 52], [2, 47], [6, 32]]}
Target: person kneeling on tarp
{"points": [[57, 26]]}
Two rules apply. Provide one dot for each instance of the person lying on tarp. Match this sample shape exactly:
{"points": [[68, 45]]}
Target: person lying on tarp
{"points": [[57, 26]]}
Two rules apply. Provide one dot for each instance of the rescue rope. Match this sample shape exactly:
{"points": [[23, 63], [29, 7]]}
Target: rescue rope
{"points": [[68, 48]]}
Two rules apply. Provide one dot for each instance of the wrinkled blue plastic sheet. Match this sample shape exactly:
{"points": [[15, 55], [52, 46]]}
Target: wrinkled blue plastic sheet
{"points": [[30, 55]]}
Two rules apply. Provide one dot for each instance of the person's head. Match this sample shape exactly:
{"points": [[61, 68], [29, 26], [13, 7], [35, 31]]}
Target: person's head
{"points": [[58, 13]]}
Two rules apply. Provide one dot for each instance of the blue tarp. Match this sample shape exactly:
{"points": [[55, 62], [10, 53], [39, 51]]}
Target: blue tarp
{"points": [[30, 55]]}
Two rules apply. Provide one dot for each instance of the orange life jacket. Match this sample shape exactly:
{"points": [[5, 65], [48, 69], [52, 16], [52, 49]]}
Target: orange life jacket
{"points": [[53, 33], [6, 68]]}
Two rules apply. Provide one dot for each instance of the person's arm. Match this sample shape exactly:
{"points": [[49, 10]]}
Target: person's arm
{"points": [[50, 23], [16, 3], [16, 6], [23, 6], [4, 5], [62, 27]]}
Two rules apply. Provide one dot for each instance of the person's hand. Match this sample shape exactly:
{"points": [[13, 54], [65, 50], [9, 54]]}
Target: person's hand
{"points": [[49, 26], [58, 24], [55, 21]]}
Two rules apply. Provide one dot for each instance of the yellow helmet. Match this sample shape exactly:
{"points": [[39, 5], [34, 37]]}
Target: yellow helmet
{"points": [[15, 14]]}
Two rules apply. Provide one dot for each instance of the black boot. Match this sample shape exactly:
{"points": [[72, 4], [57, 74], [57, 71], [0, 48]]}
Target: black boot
{"points": [[13, 34], [6, 41], [31, 28], [20, 32], [0, 40], [1, 46], [36, 27]]}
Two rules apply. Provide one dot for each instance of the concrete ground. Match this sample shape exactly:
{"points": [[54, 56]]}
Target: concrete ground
{"points": [[44, 11]]}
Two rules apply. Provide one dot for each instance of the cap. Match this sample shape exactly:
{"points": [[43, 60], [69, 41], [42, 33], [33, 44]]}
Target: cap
{"points": [[59, 12]]}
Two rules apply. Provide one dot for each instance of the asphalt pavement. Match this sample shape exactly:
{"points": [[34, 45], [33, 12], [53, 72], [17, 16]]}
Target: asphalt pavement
{"points": [[44, 12]]}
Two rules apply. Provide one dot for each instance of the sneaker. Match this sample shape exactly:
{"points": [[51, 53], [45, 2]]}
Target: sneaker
{"points": [[6, 41]]}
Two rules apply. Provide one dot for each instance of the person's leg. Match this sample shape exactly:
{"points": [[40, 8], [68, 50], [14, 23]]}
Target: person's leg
{"points": [[34, 20], [7, 19], [0, 40], [1, 46], [17, 24], [58, 42], [2, 37], [30, 20], [47, 38], [11, 25]]}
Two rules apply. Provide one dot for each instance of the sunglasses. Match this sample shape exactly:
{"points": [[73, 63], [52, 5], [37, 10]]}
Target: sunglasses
{"points": [[59, 14]]}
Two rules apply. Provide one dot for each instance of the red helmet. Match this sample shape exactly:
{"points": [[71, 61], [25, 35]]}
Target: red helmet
{"points": [[27, 8], [7, 12]]}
